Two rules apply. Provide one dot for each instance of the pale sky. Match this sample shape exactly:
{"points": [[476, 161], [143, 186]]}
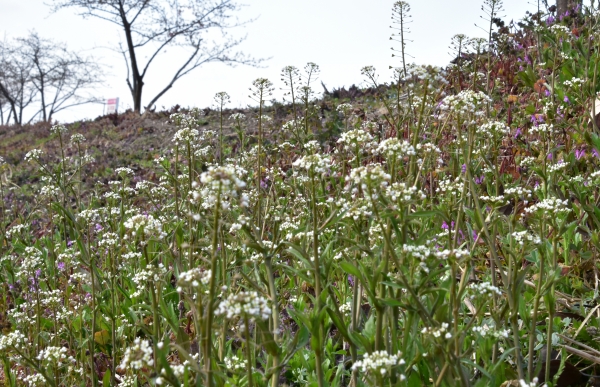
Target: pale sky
{"points": [[341, 36]]}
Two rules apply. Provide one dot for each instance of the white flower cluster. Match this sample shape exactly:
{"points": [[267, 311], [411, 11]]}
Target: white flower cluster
{"points": [[58, 129], [248, 304], [542, 128], [346, 308], [465, 102], [358, 207], [417, 251], [312, 147], [379, 362], [371, 176], [522, 236], [401, 192], [77, 138], [456, 253], [55, 355], [33, 154], [395, 148], [534, 383], [557, 167], [149, 274], [355, 139], [234, 363], [494, 200], [224, 178], [484, 289], [429, 149], [291, 125], [124, 172], [193, 278], [320, 163], [51, 298], [551, 205], [223, 181], [237, 116], [185, 136], [108, 239], [438, 332], [146, 225], [487, 331], [560, 29], [15, 230], [573, 82], [343, 108], [49, 191], [415, 71], [90, 216], [526, 161], [138, 355], [13, 339], [32, 259], [453, 188], [32, 379], [493, 129], [520, 192]]}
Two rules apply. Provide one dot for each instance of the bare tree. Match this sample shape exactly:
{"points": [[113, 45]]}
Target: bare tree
{"points": [[35, 70], [15, 82], [62, 78], [3, 105], [149, 27]]}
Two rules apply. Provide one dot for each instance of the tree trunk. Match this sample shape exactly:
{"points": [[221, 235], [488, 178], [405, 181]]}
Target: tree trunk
{"points": [[561, 7], [138, 79], [136, 93]]}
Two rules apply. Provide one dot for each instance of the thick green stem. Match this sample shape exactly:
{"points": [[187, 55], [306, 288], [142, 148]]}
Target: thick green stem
{"points": [[211, 293]]}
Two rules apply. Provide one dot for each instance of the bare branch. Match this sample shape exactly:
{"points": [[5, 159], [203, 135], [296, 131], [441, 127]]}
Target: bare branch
{"points": [[158, 24]]}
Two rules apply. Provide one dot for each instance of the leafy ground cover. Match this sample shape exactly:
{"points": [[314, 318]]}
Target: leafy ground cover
{"points": [[438, 230]]}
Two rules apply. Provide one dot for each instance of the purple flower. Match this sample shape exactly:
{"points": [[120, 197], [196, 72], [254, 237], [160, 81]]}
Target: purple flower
{"points": [[479, 180], [550, 20], [518, 132], [474, 233], [263, 184], [98, 227], [566, 99], [549, 157], [444, 225], [579, 153], [595, 153], [69, 243], [351, 280], [464, 168], [61, 266], [547, 92], [534, 119]]}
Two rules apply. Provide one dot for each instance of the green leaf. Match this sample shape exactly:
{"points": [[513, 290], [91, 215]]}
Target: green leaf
{"points": [[106, 379], [350, 269], [339, 323], [391, 302], [425, 214]]}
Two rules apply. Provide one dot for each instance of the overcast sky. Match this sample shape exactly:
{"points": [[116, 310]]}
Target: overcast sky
{"points": [[341, 36]]}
